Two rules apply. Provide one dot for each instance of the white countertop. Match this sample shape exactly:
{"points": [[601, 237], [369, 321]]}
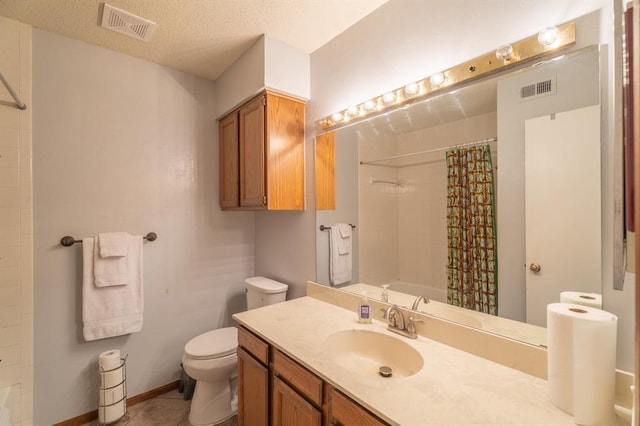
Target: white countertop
{"points": [[453, 387]]}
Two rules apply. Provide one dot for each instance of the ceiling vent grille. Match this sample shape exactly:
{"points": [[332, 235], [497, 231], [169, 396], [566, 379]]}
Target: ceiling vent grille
{"points": [[126, 23], [536, 90]]}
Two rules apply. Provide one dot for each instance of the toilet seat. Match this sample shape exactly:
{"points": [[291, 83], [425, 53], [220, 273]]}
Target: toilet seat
{"points": [[213, 344]]}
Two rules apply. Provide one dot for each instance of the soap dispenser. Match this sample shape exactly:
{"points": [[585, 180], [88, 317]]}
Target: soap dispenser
{"points": [[384, 297], [364, 310]]}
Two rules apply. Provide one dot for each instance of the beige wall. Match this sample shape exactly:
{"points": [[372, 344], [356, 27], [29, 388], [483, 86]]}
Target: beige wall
{"points": [[16, 231], [121, 144]]}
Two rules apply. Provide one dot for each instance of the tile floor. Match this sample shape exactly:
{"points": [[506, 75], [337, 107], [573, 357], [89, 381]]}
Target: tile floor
{"points": [[169, 409]]}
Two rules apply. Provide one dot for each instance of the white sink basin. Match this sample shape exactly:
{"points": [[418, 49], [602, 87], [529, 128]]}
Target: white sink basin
{"points": [[364, 352]]}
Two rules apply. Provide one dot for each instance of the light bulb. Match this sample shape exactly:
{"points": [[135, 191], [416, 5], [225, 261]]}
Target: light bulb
{"points": [[548, 36], [353, 110], [388, 97], [411, 88], [337, 117], [504, 52], [369, 105], [437, 79]]}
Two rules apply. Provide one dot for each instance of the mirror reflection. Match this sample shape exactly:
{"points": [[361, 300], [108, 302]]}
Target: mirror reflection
{"points": [[523, 147]]}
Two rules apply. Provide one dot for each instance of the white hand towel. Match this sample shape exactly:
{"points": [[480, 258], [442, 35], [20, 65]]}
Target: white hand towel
{"points": [[108, 271], [5, 417], [344, 238], [339, 264], [115, 310], [113, 244]]}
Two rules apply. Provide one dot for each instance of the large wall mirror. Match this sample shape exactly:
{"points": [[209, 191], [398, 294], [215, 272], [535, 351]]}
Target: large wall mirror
{"points": [[540, 127]]}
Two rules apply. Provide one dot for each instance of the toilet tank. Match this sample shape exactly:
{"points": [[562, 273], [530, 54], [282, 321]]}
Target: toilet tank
{"points": [[263, 291]]}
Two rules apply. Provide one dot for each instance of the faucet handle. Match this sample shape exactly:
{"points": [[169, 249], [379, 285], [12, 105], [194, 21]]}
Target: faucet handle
{"points": [[413, 320], [411, 327]]}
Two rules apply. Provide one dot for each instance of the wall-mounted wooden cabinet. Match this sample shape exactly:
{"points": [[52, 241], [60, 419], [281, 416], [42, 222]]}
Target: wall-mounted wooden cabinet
{"points": [[297, 396], [262, 154], [326, 171]]}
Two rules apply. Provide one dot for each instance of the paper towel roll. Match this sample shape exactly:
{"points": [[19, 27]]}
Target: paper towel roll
{"points": [[108, 365], [579, 298], [581, 361]]}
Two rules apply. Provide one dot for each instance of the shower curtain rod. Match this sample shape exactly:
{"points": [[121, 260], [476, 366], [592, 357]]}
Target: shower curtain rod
{"points": [[394, 157], [19, 103]]}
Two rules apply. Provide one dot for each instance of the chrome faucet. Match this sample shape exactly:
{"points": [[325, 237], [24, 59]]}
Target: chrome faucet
{"points": [[394, 315], [397, 323], [417, 302]]}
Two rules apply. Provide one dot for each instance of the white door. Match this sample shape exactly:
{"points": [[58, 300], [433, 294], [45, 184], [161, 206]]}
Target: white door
{"points": [[563, 225]]}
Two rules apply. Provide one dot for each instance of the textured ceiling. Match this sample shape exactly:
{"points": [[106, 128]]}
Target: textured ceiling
{"points": [[201, 37]]}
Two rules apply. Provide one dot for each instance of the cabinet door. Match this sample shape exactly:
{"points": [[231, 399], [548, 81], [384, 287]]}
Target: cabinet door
{"points": [[290, 409], [285, 153], [253, 388], [229, 159], [252, 154], [344, 412]]}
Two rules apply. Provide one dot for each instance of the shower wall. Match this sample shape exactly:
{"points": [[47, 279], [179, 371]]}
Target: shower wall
{"points": [[422, 200], [403, 228]]}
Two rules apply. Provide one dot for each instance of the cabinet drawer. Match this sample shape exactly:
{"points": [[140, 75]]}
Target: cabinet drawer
{"points": [[345, 412], [253, 344], [290, 409], [304, 381]]}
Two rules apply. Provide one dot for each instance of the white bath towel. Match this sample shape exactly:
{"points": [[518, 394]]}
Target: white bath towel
{"points": [[113, 244], [114, 310], [339, 264]]}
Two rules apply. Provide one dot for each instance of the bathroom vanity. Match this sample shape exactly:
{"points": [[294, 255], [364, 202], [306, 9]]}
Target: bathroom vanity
{"points": [[306, 361]]}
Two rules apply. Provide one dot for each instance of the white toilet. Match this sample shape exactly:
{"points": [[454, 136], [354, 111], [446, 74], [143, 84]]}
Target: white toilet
{"points": [[211, 359]]}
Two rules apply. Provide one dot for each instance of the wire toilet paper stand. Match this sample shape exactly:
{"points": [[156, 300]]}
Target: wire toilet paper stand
{"points": [[107, 406]]}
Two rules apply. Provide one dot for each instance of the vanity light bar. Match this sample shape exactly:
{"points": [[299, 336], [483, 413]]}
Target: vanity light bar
{"points": [[505, 56]]}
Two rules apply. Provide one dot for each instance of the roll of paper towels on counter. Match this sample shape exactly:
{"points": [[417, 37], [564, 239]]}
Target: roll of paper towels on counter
{"points": [[581, 361], [579, 298]]}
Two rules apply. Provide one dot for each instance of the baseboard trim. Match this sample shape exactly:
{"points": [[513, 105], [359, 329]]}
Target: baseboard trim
{"points": [[93, 415]]}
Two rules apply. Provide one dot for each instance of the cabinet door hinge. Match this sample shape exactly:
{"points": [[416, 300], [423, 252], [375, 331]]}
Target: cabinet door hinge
{"points": [[264, 200], [264, 100]]}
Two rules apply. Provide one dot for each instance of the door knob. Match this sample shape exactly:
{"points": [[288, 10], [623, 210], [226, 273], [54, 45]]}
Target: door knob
{"points": [[535, 267]]}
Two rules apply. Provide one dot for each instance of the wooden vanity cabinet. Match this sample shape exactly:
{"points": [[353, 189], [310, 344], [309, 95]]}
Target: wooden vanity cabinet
{"points": [[262, 154], [273, 389], [253, 379], [342, 411], [297, 393]]}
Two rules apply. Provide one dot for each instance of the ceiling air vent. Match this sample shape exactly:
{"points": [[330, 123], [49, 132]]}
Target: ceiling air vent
{"points": [[126, 23], [535, 90]]}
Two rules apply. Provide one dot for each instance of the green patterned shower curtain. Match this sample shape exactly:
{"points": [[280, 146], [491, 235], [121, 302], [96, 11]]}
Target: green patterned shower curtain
{"points": [[472, 271]]}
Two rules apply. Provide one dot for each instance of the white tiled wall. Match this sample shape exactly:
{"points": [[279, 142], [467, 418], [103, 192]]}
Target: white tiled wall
{"points": [[16, 224]]}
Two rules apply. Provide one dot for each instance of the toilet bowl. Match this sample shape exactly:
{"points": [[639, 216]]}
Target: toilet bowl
{"points": [[210, 358]]}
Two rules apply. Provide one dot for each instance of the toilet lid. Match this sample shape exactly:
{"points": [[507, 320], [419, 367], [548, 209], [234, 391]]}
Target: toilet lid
{"points": [[213, 344]]}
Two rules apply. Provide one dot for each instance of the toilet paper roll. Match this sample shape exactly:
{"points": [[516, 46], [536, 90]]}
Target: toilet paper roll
{"points": [[581, 361], [579, 298], [111, 396], [111, 413], [110, 368]]}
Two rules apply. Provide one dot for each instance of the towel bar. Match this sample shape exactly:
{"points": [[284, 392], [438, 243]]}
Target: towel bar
{"points": [[324, 228], [68, 241]]}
